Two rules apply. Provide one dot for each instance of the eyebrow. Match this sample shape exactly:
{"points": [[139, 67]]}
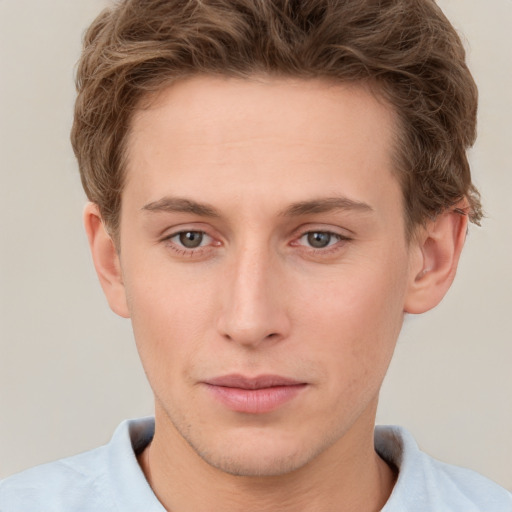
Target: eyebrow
{"points": [[179, 204], [323, 205]]}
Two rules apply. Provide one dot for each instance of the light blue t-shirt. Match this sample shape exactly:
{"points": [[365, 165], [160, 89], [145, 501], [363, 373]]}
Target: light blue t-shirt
{"points": [[109, 479]]}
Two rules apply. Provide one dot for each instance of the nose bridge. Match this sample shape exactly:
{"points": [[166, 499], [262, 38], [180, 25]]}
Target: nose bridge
{"points": [[252, 311]]}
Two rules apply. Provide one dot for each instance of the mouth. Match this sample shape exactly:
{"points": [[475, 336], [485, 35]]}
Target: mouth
{"points": [[254, 395]]}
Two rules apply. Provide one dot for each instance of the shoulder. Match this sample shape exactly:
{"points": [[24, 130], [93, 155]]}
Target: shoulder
{"points": [[106, 478], [67, 484], [426, 484]]}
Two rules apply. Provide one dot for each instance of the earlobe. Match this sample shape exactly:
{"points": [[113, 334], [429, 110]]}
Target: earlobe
{"points": [[437, 250], [106, 260]]}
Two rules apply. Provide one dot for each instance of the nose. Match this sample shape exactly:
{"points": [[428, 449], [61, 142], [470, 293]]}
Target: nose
{"points": [[253, 308]]}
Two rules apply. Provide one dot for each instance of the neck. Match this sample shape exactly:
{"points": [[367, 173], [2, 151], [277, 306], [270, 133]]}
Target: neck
{"points": [[347, 477]]}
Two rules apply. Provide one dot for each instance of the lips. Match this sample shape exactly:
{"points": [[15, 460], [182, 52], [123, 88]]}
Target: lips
{"points": [[254, 395], [260, 382]]}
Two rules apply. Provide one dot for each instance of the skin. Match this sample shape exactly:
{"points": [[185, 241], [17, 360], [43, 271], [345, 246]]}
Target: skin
{"points": [[260, 171]]}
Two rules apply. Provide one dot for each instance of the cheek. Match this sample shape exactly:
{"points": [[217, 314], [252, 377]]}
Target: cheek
{"points": [[355, 339], [355, 316], [170, 314]]}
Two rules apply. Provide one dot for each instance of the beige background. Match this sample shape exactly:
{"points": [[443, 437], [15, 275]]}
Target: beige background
{"points": [[69, 372]]}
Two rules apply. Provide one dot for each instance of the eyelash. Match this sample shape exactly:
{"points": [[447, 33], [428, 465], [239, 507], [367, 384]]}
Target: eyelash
{"points": [[339, 241], [186, 251]]}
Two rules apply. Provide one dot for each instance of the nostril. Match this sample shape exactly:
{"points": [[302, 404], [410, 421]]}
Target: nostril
{"points": [[251, 337]]}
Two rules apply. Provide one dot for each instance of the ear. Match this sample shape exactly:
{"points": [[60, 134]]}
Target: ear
{"points": [[106, 260], [436, 251]]}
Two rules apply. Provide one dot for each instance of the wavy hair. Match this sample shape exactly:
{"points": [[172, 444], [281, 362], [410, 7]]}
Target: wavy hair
{"points": [[406, 48]]}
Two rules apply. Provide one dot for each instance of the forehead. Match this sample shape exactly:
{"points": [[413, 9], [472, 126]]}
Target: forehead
{"points": [[213, 109], [223, 137]]}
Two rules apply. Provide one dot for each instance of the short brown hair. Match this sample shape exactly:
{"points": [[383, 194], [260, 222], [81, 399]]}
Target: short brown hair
{"points": [[407, 47]]}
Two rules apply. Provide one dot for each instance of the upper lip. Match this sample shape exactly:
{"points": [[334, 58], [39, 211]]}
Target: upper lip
{"points": [[259, 382]]}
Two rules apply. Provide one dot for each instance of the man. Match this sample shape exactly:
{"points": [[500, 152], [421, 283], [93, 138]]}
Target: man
{"points": [[273, 185]]}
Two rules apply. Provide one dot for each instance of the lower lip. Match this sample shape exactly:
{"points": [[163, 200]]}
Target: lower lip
{"points": [[255, 401]]}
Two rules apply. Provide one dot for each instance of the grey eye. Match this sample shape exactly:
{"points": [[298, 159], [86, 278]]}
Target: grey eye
{"points": [[191, 239], [319, 239]]}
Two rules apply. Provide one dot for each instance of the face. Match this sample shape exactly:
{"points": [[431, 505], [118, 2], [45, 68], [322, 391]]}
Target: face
{"points": [[265, 265]]}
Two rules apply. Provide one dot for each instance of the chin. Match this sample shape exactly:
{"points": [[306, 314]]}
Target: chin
{"points": [[259, 454], [258, 464]]}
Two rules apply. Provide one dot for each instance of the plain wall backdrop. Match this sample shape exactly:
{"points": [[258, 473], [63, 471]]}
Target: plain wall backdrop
{"points": [[69, 371]]}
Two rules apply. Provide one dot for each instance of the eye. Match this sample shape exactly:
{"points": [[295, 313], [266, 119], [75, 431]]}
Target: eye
{"points": [[320, 239], [190, 239]]}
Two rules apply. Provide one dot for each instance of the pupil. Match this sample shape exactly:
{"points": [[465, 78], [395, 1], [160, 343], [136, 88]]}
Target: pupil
{"points": [[191, 239], [319, 239]]}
